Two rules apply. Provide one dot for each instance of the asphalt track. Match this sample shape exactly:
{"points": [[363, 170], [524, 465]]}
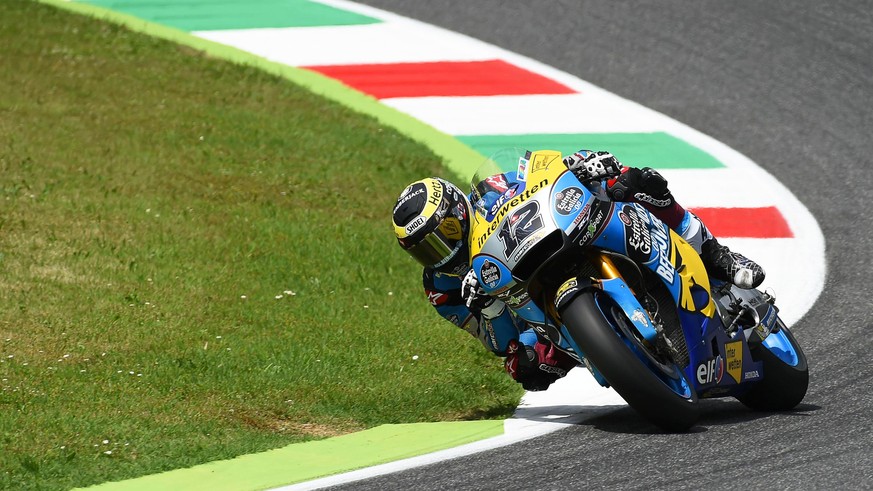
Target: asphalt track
{"points": [[789, 84]]}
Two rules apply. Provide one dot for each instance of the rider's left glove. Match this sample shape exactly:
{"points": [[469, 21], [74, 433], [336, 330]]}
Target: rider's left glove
{"points": [[475, 297]]}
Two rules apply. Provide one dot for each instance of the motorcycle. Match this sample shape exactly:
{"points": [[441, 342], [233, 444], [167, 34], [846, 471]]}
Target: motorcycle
{"points": [[614, 287]]}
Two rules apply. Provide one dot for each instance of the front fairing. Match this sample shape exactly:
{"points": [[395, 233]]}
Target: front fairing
{"points": [[518, 199]]}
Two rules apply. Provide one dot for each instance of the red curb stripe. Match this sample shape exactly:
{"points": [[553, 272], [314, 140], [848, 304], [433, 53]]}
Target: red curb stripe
{"points": [[444, 78], [751, 223]]}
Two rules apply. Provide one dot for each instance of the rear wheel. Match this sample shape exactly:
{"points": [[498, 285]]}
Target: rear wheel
{"points": [[654, 387], [786, 374]]}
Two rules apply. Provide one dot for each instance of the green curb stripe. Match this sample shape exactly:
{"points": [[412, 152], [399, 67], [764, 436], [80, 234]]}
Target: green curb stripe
{"points": [[659, 150], [208, 15], [456, 156], [306, 461]]}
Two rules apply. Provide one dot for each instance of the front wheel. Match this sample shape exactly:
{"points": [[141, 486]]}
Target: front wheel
{"points": [[660, 392], [786, 374]]}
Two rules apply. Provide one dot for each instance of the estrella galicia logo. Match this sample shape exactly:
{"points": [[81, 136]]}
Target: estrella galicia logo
{"points": [[490, 274], [624, 218], [568, 200], [636, 226]]}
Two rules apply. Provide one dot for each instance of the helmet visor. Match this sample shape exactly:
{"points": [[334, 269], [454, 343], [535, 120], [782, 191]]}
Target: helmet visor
{"points": [[435, 248]]}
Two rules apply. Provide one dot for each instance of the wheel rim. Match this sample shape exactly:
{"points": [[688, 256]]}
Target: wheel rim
{"points": [[668, 373]]}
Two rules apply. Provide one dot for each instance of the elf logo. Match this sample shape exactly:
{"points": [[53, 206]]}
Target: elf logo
{"points": [[710, 371]]}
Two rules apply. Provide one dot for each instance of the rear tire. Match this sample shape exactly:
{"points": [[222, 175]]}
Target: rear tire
{"points": [[783, 385], [633, 379]]}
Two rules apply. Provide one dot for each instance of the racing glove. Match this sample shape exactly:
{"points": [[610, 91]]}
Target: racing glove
{"points": [[536, 367], [474, 296], [591, 166], [645, 185]]}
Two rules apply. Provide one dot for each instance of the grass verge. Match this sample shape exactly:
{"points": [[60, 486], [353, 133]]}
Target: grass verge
{"points": [[196, 263]]}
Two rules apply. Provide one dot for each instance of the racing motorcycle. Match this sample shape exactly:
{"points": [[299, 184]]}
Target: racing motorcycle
{"points": [[611, 285]]}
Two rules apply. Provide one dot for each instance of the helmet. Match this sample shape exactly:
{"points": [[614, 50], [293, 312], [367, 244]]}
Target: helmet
{"points": [[431, 221]]}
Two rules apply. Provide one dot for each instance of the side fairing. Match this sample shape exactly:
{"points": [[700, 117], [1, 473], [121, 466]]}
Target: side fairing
{"points": [[633, 231]]}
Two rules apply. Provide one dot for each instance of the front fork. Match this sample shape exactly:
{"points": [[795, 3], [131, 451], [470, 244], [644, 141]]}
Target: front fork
{"points": [[613, 285], [572, 286], [607, 267], [656, 336]]}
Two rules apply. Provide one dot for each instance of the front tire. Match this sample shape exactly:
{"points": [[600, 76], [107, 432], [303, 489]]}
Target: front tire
{"points": [[785, 380], [616, 358]]}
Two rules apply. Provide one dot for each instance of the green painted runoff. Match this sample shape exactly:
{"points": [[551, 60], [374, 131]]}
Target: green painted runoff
{"points": [[306, 461], [212, 15], [660, 150]]}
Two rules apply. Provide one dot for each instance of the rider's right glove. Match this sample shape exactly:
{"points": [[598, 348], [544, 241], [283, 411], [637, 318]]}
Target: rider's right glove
{"points": [[644, 185], [591, 166], [536, 367]]}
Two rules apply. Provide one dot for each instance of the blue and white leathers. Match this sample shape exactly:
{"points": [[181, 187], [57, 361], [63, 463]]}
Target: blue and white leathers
{"points": [[444, 293]]}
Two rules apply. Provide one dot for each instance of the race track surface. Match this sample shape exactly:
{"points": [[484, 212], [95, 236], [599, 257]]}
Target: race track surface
{"points": [[789, 84]]}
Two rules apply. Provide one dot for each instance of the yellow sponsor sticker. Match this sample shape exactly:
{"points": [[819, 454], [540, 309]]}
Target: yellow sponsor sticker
{"points": [[733, 355], [451, 228], [542, 161]]}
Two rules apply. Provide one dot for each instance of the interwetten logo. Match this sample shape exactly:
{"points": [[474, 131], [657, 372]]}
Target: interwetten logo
{"points": [[501, 213]]}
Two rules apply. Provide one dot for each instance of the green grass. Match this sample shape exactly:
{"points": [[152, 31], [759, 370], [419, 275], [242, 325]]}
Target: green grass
{"points": [[157, 209]]}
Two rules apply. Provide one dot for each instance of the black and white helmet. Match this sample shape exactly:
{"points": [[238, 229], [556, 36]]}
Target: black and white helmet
{"points": [[431, 222]]}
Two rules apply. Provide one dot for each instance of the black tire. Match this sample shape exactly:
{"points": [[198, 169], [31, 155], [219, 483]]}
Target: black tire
{"points": [[783, 385], [623, 369]]}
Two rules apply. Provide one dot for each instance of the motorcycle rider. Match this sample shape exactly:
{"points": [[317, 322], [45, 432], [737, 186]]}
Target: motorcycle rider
{"points": [[432, 220]]}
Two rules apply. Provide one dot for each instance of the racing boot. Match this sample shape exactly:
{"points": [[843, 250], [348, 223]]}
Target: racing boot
{"points": [[721, 263], [726, 265]]}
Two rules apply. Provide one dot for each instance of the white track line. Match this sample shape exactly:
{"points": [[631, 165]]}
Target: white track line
{"points": [[391, 42], [523, 114]]}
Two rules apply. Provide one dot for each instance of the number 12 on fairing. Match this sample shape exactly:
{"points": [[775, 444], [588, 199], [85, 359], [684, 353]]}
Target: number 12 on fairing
{"points": [[523, 222]]}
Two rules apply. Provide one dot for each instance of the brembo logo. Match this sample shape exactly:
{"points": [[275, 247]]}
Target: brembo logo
{"points": [[501, 213]]}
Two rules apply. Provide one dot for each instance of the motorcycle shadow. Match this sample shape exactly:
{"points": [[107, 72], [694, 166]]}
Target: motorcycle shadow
{"points": [[712, 413], [567, 414]]}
